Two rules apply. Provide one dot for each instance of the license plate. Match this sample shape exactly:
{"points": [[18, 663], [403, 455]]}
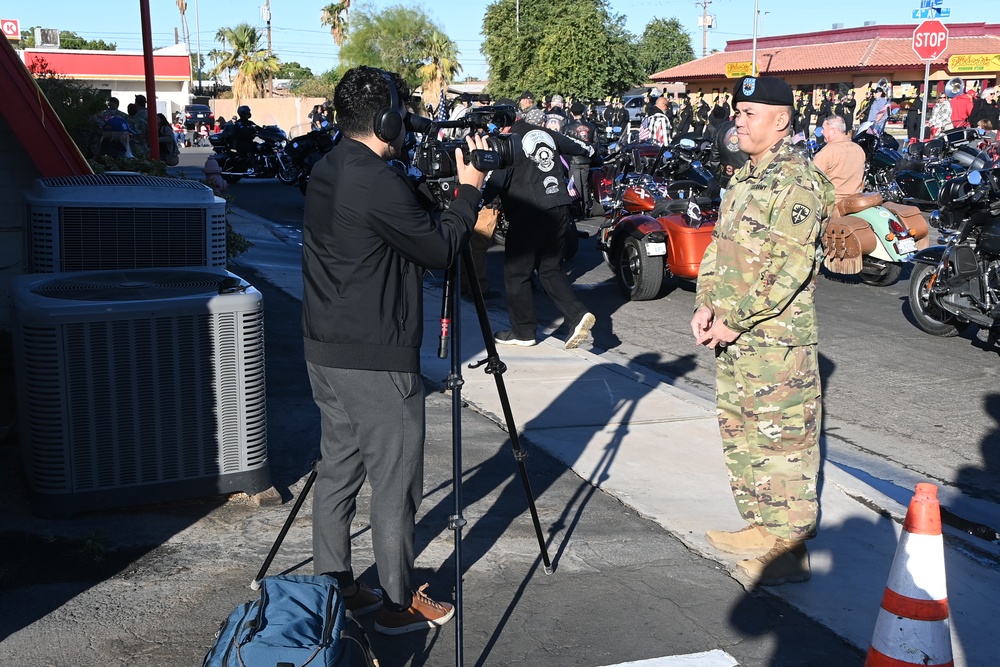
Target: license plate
{"points": [[656, 249], [906, 246]]}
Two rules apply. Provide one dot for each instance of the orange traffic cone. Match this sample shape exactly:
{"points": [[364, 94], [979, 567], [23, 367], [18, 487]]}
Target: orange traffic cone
{"points": [[912, 626]]}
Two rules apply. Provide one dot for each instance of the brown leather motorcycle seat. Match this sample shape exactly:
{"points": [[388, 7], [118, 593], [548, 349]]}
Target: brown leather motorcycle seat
{"points": [[859, 202]]}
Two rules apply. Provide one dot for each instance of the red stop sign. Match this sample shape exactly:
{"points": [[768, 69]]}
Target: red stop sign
{"points": [[930, 39]]}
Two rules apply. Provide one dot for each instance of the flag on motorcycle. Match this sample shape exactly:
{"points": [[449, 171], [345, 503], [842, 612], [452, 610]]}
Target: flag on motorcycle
{"points": [[442, 110], [644, 133]]}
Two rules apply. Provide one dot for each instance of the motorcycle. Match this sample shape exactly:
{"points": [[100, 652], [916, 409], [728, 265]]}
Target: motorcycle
{"points": [[872, 239], [958, 283], [302, 153], [649, 235], [262, 161], [681, 165], [914, 178]]}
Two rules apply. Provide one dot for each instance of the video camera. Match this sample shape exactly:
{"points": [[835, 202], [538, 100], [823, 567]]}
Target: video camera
{"points": [[436, 159]]}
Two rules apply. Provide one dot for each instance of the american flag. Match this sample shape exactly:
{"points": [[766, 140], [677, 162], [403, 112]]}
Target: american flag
{"points": [[644, 133], [442, 110]]}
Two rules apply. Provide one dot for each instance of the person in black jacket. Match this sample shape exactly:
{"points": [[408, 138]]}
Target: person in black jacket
{"points": [[366, 242], [536, 204], [912, 123], [586, 133]]}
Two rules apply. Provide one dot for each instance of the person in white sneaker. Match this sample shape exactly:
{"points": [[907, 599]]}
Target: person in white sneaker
{"points": [[536, 204]]}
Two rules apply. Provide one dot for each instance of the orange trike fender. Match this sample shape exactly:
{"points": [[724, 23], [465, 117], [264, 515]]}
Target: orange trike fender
{"points": [[685, 244]]}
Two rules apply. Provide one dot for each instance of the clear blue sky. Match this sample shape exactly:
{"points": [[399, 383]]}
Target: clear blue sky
{"points": [[297, 35]]}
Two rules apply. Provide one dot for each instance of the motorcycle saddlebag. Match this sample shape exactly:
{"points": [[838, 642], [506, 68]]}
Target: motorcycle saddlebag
{"points": [[845, 242], [912, 219]]}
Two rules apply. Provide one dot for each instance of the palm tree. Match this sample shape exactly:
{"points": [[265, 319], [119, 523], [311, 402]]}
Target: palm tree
{"points": [[182, 6], [335, 16], [441, 66], [251, 62]]}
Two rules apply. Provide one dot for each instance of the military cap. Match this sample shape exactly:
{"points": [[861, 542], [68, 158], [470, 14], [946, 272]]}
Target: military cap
{"points": [[763, 90]]}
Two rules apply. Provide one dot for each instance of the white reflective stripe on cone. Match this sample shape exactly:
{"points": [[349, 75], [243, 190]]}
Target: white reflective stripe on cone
{"points": [[920, 575], [913, 642]]}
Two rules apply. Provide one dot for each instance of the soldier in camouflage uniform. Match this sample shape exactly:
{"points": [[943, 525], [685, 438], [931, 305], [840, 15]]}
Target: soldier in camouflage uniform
{"points": [[755, 309]]}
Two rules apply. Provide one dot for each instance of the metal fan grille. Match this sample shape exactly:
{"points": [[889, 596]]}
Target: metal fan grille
{"points": [[132, 285], [133, 402], [94, 238]]}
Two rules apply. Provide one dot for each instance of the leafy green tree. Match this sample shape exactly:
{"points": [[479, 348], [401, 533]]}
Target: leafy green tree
{"points": [[319, 86], [248, 59], [294, 71], [663, 44], [571, 47], [394, 40], [68, 40]]}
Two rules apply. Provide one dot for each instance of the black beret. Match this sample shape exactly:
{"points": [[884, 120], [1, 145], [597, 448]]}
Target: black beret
{"points": [[763, 90]]}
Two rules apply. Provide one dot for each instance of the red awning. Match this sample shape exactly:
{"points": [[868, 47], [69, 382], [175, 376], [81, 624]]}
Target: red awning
{"points": [[109, 64]]}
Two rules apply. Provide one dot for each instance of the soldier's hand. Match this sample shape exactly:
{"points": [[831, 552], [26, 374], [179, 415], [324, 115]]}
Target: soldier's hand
{"points": [[701, 322], [719, 335]]}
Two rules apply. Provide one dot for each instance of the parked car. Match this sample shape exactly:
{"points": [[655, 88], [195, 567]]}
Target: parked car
{"points": [[197, 113]]}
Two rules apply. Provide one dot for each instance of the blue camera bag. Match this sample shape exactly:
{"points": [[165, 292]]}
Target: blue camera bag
{"points": [[298, 620]]}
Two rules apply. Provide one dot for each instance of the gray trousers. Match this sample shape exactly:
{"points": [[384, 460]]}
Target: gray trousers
{"points": [[372, 425]]}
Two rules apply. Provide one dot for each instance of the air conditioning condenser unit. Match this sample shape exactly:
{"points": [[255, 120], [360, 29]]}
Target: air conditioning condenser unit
{"points": [[139, 386], [123, 221]]}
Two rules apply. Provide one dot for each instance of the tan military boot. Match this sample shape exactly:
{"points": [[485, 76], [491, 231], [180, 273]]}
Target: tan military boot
{"points": [[787, 562], [750, 540]]}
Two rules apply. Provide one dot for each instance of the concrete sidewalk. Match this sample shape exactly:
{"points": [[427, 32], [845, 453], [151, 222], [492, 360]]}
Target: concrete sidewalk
{"points": [[638, 436]]}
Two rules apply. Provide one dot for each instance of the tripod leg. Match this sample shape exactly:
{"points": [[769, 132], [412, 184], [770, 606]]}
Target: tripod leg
{"points": [[496, 368], [255, 584], [456, 521]]}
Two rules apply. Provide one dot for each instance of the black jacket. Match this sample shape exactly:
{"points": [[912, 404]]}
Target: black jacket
{"points": [[537, 180], [366, 241]]}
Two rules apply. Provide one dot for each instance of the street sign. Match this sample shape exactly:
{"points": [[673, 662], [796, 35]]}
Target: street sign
{"points": [[930, 39], [11, 29], [932, 9]]}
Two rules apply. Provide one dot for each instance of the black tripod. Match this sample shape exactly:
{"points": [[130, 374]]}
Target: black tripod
{"points": [[451, 337], [451, 332]]}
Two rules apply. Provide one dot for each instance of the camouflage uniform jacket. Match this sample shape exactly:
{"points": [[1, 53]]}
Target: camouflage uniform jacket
{"points": [[759, 272]]}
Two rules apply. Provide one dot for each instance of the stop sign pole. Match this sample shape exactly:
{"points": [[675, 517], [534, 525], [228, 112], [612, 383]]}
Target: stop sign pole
{"points": [[930, 39]]}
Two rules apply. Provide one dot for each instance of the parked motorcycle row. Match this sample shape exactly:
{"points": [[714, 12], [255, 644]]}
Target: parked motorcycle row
{"points": [[661, 204], [265, 151]]}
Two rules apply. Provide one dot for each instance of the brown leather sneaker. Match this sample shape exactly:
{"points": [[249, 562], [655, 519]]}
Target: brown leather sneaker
{"points": [[752, 539], [787, 562], [364, 600], [422, 613]]}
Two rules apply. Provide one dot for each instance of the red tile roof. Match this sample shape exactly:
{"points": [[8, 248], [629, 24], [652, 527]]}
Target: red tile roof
{"points": [[850, 50]]}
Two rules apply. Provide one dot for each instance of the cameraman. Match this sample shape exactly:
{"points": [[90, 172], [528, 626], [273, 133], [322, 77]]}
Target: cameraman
{"points": [[536, 204], [366, 243]]}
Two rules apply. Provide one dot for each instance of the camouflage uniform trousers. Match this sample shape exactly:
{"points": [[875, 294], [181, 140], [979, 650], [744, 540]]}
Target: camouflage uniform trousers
{"points": [[770, 409]]}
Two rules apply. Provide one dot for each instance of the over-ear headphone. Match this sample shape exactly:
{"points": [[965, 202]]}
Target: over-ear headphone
{"points": [[388, 121]]}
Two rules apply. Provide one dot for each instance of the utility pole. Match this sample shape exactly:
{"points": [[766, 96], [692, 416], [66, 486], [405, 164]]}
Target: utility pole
{"points": [[706, 22], [265, 13]]}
